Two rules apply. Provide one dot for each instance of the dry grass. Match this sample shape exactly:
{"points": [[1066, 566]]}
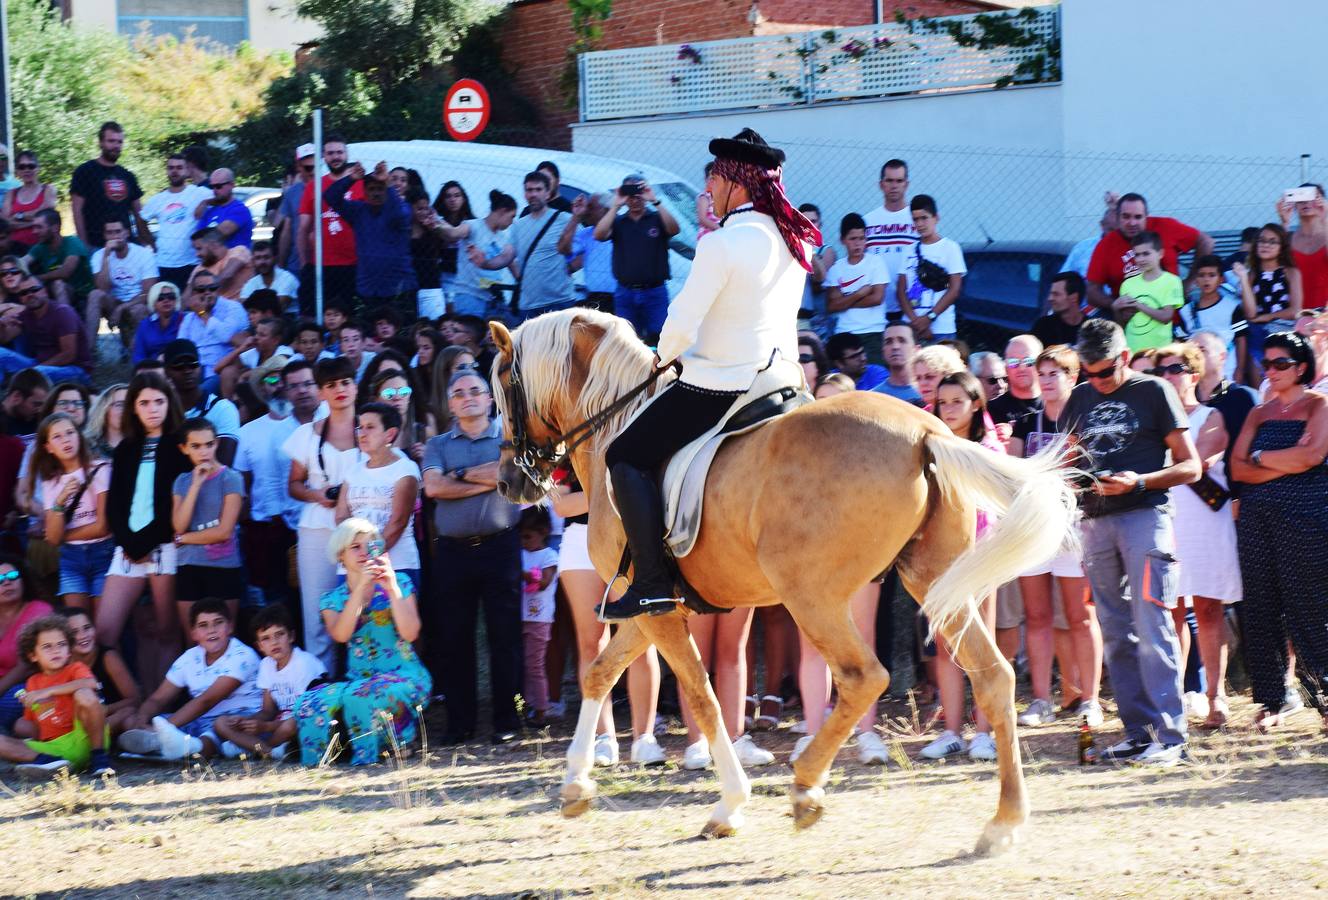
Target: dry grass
{"points": [[1245, 817]]}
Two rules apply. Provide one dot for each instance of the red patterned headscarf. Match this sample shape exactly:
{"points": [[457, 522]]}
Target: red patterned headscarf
{"points": [[767, 192]]}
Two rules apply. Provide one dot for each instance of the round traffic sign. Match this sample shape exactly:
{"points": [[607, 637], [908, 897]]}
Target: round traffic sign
{"points": [[466, 109]]}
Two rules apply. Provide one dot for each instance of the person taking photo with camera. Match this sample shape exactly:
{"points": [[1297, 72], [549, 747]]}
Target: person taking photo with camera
{"points": [[640, 254]]}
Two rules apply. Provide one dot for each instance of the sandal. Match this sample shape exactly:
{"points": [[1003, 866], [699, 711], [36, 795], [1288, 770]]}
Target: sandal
{"points": [[772, 710], [749, 715], [1266, 720], [1218, 713]]}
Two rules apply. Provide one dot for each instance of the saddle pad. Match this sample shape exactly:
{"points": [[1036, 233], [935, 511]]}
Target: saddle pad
{"points": [[683, 487]]}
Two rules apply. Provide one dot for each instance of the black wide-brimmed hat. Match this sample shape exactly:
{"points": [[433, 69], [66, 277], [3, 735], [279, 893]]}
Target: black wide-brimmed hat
{"points": [[748, 147]]}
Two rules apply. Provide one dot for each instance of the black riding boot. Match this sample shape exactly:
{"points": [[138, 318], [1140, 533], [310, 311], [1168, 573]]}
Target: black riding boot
{"points": [[642, 511]]}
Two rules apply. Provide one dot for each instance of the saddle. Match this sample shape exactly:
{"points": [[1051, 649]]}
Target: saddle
{"points": [[777, 390]]}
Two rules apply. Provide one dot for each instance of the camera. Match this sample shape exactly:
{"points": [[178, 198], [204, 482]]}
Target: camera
{"points": [[332, 492], [630, 190], [1300, 195]]}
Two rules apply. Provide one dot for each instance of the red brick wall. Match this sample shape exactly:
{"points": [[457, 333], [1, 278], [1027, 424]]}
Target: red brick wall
{"points": [[537, 33]]}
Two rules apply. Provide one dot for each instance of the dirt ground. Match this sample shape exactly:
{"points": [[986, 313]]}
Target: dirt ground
{"points": [[1246, 816]]}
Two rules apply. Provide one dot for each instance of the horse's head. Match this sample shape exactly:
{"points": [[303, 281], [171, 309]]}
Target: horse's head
{"points": [[550, 376]]}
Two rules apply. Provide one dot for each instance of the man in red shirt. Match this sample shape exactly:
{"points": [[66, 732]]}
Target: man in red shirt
{"points": [[1113, 258], [339, 256]]}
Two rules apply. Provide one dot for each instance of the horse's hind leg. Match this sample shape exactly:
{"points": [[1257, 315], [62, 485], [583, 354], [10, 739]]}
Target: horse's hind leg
{"points": [[826, 621], [627, 644], [670, 637], [989, 673]]}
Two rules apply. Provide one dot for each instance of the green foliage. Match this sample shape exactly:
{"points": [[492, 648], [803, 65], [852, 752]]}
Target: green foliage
{"points": [[167, 93], [587, 16]]}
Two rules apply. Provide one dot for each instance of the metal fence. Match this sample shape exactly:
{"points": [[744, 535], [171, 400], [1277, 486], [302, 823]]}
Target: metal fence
{"points": [[986, 193], [940, 54]]}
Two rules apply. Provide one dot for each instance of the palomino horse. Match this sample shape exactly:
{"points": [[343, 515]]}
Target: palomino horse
{"points": [[803, 511]]}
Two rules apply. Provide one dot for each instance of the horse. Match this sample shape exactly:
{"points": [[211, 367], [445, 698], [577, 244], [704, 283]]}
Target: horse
{"points": [[802, 511]]}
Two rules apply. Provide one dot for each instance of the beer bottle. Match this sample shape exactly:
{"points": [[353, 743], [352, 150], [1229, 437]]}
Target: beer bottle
{"points": [[1087, 752]]}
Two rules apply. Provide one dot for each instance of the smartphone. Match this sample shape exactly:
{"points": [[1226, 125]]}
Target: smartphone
{"points": [[376, 549], [1300, 195]]}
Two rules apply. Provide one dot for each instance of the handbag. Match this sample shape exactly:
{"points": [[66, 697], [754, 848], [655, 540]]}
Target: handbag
{"points": [[516, 291], [931, 275], [1210, 492]]}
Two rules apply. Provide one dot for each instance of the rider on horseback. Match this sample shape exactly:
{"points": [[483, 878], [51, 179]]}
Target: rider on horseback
{"points": [[740, 303]]}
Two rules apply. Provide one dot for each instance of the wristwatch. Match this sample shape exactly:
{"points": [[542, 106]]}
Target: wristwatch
{"points": [[460, 474], [931, 316], [1257, 458], [1139, 486]]}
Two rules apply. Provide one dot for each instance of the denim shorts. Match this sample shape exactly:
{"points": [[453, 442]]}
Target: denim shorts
{"points": [[83, 567]]}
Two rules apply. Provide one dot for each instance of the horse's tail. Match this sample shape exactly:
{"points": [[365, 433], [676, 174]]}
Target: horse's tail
{"points": [[1034, 499]]}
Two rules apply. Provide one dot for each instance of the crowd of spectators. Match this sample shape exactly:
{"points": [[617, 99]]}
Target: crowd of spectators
{"points": [[277, 537]]}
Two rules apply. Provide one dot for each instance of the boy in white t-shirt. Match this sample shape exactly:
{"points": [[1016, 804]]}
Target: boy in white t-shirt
{"points": [[932, 278], [383, 487], [219, 673], [539, 568], [285, 673], [855, 287]]}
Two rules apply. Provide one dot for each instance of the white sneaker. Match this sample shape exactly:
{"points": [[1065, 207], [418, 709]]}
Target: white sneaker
{"points": [[1091, 712], [606, 750], [947, 744], [231, 750], [982, 747], [1039, 712], [801, 745], [1163, 756], [646, 751], [175, 744], [751, 755], [140, 742], [1196, 704], [799, 727], [871, 749], [697, 756]]}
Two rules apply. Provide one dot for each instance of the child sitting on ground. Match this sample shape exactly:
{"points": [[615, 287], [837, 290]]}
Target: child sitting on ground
{"points": [[285, 673], [116, 686], [218, 671], [539, 566], [63, 725]]}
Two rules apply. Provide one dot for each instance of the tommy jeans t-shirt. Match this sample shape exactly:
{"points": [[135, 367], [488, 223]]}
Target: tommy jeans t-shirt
{"points": [[1124, 431], [891, 237], [851, 278]]}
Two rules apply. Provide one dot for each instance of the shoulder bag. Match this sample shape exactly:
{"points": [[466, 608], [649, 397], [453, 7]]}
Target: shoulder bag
{"points": [[516, 291]]}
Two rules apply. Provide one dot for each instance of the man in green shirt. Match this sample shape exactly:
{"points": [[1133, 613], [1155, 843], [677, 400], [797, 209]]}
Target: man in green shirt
{"points": [[61, 263]]}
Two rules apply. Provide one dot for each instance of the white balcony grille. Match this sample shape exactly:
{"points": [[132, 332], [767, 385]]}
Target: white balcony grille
{"points": [[948, 53]]}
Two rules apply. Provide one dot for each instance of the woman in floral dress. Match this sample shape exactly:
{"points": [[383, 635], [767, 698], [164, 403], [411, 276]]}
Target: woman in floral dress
{"points": [[374, 612]]}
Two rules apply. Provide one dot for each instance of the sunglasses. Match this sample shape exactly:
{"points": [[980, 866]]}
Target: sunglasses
{"points": [[5, 273], [1021, 362], [219, 184], [25, 167], [184, 366], [802, 357], [205, 288], [1108, 372], [12, 575], [994, 380], [28, 292], [473, 392], [1173, 369], [1280, 363], [390, 393]]}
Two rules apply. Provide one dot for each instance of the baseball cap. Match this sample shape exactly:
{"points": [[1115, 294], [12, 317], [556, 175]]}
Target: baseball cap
{"points": [[180, 351], [304, 150], [634, 178]]}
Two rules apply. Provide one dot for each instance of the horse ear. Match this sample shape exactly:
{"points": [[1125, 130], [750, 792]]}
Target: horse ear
{"points": [[502, 338]]}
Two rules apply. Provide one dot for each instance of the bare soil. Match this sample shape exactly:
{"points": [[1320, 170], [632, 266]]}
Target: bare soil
{"points": [[1245, 816]]}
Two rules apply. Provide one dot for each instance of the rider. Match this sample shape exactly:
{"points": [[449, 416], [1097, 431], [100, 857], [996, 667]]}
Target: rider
{"points": [[740, 303]]}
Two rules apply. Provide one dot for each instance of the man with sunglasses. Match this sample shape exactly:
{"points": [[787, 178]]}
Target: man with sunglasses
{"points": [[184, 372], [173, 211], [56, 343], [1024, 395], [215, 326], [1124, 424], [224, 212]]}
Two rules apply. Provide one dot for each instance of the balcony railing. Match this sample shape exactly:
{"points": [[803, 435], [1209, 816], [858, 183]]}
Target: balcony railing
{"points": [[990, 50]]}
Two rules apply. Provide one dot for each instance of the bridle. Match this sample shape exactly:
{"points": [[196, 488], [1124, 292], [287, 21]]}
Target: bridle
{"points": [[537, 461]]}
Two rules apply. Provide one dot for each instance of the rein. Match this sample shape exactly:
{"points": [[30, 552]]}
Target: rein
{"points": [[529, 456]]}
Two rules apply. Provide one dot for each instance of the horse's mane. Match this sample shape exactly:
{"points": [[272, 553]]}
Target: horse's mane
{"points": [[620, 362]]}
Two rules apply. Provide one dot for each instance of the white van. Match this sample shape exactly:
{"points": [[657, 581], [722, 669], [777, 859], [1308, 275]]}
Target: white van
{"points": [[481, 168]]}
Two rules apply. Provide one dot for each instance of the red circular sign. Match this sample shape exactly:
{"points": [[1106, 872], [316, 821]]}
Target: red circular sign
{"points": [[466, 110]]}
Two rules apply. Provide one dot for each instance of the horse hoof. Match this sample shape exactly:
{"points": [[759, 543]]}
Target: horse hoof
{"points": [[576, 799], [997, 839], [808, 806], [721, 829]]}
